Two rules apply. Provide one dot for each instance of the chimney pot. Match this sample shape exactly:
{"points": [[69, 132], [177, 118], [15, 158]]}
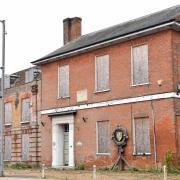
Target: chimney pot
{"points": [[72, 28]]}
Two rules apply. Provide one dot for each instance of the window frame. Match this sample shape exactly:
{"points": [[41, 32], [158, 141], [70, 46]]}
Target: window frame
{"points": [[6, 150], [25, 122], [29, 72], [134, 138], [97, 149], [96, 85], [24, 160], [58, 93], [8, 123], [132, 65]]}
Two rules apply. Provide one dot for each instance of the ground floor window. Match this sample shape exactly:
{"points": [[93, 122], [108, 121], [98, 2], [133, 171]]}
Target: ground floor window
{"points": [[25, 147], [102, 137], [7, 148], [141, 136]]}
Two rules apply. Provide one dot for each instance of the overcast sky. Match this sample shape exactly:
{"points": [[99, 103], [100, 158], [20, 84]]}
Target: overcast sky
{"points": [[34, 27]]}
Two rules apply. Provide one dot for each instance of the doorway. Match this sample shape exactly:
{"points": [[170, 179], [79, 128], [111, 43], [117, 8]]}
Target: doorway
{"points": [[66, 144], [63, 141]]}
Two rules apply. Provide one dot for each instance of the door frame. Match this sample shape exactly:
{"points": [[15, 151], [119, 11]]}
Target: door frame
{"points": [[59, 120]]}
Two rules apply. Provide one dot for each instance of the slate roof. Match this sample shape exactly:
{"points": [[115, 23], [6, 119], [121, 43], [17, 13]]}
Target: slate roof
{"points": [[119, 30]]}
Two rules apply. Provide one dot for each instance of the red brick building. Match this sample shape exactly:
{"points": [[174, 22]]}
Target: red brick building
{"points": [[22, 117], [127, 75]]}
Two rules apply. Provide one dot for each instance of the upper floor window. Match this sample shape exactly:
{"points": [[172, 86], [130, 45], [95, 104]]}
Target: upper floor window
{"points": [[26, 111], [140, 65], [8, 113], [7, 82], [102, 73], [29, 75], [63, 81]]}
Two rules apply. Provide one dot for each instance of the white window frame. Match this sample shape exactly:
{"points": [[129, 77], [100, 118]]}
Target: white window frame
{"points": [[97, 151], [104, 90], [132, 65], [134, 140], [58, 93]]}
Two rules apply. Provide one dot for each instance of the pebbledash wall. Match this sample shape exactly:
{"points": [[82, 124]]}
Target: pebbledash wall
{"points": [[157, 101], [82, 76], [22, 117]]}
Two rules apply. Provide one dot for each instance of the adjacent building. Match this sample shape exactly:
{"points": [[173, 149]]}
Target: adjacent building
{"points": [[127, 75], [22, 117]]}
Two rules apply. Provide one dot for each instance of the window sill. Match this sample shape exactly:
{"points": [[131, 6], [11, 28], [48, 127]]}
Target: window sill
{"points": [[25, 122], [65, 97], [101, 91], [7, 124], [141, 154], [103, 154], [143, 84]]}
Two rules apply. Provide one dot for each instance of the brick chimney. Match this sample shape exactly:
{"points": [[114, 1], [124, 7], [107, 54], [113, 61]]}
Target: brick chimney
{"points": [[72, 28]]}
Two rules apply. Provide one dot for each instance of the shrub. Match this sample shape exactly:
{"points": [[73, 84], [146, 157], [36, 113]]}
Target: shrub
{"points": [[80, 167], [169, 159], [21, 166]]}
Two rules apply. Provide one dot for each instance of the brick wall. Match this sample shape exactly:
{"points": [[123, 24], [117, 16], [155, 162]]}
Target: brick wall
{"points": [[82, 76], [15, 95], [82, 72]]}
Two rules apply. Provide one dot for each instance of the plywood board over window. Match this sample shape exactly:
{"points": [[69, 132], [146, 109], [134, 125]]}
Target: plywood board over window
{"points": [[7, 82], [102, 73], [25, 147], [26, 111], [141, 136], [102, 137], [29, 75], [140, 65], [63, 81], [7, 148], [8, 113]]}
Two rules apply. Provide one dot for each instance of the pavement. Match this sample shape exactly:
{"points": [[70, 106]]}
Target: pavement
{"points": [[20, 178]]}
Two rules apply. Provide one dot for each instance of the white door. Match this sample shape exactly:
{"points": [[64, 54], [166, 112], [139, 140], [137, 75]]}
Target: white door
{"points": [[62, 142]]}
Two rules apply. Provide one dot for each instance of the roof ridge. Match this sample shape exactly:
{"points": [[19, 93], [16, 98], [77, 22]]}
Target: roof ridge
{"points": [[132, 20], [126, 27]]}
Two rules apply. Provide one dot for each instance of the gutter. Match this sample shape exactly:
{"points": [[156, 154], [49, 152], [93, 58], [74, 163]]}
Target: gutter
{"points": [[129, 36]]}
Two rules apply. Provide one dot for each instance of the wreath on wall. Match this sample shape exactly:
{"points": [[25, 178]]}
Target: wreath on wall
{"points": [[120, 136]]}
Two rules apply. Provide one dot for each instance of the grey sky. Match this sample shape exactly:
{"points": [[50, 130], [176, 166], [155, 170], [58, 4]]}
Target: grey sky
{"points": [[34, 27]]}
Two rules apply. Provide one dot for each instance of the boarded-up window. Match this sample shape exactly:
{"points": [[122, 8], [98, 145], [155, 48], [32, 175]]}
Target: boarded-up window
{"points": [[26, 111], [140, 64], [6, 81], [29, 75], [142, 136], [25, 147], [8, 113], [102, 73], [64, 81], [103, 136], [7, 148]]}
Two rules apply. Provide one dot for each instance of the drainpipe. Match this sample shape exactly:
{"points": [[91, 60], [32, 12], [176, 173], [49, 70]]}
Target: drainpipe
{"points": [[154, 134], [34, 91], [37, 124]]}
